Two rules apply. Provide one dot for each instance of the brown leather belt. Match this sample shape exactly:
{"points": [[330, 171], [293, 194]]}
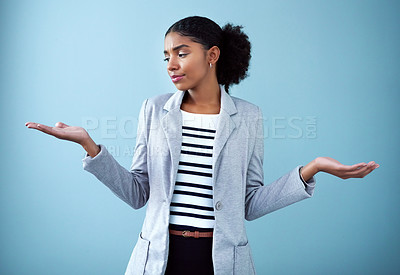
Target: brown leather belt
{"points": [[195, 234]]}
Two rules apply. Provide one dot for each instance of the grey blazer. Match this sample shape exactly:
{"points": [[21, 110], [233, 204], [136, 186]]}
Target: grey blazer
{"points": [[239, 190]]}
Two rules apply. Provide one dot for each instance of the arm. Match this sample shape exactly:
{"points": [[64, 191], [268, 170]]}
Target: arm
{"points": [[130, 186], [296, 185], [262, 199]]}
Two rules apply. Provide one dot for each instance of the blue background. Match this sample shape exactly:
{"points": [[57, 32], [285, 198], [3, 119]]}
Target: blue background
{"points": [[96, 61]]}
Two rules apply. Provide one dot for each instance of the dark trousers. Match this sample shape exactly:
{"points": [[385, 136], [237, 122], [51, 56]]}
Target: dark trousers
{"points": [[189, 256]]}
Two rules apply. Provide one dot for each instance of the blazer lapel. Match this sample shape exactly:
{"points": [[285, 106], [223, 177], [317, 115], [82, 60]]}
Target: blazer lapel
{"points": [[172, 126], [225, 127]]}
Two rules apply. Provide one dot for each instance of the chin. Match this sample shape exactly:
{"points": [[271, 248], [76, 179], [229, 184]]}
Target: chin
{"points": [[182, 87]]}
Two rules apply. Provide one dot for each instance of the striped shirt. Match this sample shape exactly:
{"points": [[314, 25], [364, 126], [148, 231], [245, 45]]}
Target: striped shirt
{"points": [[192, 201]]}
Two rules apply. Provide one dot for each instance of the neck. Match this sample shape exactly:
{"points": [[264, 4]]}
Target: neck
{"points": [[205, 95]]}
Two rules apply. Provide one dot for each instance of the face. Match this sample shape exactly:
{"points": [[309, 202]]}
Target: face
{"points": [[187, 63]]}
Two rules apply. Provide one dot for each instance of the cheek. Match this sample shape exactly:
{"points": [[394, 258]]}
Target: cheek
{"points": [[196, 67]]}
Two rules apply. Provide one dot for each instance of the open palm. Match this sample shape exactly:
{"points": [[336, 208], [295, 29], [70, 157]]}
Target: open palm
{"points": [[334, 167], [61, 131]]}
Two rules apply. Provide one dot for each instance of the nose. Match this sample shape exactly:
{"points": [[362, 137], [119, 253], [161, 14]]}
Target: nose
{"points": [[172, 64]]}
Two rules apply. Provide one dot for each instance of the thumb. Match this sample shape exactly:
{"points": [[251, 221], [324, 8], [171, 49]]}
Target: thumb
{"points": [[61, 125]]}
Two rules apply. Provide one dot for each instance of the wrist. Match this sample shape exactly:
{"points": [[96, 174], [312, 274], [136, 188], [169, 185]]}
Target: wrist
{"points": [[309, 170], [316, 165], [87, 142], [91, 147]]}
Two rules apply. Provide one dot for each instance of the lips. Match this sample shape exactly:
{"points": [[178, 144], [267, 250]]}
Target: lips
{"points": [[176, 78]]}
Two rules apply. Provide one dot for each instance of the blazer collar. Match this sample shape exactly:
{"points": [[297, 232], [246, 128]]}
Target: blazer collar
{"points": [[227, 103], [171, 124]]}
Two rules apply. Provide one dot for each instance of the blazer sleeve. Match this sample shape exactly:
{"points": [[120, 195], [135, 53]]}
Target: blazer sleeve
{"points": [[130, 186], [262, 199]]}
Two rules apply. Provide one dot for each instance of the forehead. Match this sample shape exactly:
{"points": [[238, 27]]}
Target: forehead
{"points": [[174, 39]]}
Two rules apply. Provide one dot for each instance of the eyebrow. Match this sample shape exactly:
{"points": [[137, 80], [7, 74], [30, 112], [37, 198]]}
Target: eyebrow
{"points": [[177, 48]]}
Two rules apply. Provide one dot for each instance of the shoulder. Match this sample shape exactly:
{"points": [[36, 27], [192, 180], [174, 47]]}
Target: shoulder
{"points": [[246, 107], [159, 100], [155, 102]]}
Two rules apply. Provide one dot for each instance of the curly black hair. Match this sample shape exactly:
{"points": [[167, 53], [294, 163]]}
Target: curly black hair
{"points": [[234, 45]]}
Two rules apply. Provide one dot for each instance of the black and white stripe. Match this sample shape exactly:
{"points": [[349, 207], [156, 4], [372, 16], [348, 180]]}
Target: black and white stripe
{"points": [[192, 201]]}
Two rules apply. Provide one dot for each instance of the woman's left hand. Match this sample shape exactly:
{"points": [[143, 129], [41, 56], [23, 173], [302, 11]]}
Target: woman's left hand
{"points": [[334, 167]]}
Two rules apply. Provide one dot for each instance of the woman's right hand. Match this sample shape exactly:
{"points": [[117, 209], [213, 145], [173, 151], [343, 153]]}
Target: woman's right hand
{"points": [[71, 133], [62, 131]]}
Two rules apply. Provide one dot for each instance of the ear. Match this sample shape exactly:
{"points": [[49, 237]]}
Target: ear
{"points": [[213, 55]]}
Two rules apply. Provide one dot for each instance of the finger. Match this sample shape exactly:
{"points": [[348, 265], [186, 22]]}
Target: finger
{"points": [[45, 129], [353, 168], [362, 172], [357, 166], [374, 165], [357, 173], [31, 125], [369, 170]]}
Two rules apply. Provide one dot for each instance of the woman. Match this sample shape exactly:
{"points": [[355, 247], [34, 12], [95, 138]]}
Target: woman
{"points": [[198, 161]]}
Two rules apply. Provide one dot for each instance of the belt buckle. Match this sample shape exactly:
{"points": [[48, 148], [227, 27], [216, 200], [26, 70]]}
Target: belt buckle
{"points": [[184, 233]]}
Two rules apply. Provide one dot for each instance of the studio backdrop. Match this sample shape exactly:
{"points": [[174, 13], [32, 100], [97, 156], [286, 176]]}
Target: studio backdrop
{"points": [[325, 74]]}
